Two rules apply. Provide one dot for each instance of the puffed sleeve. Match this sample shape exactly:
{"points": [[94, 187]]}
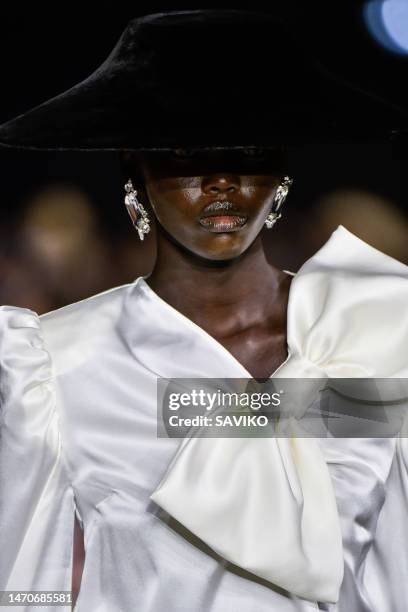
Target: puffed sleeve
{"points": [[36, 499]]}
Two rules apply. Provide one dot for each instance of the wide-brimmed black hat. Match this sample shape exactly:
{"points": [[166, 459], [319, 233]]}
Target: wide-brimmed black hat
{"points": [[205, 78]]}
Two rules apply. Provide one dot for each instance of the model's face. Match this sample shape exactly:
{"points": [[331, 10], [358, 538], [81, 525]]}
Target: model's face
{"points": [[240, 185]]}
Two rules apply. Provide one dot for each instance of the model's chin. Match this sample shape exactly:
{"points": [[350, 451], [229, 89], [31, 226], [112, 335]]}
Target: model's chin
{"points": [[222, 246], [214, 245]]}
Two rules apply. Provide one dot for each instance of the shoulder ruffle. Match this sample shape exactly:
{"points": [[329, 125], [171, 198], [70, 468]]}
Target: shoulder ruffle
{"points": [[36, 513]]}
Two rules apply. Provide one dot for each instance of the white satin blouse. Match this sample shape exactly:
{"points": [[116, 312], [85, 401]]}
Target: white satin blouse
{"points": [[202, 525]]}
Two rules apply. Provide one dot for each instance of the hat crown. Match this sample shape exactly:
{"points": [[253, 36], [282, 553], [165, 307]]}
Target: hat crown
{"points": [[183, 48]]}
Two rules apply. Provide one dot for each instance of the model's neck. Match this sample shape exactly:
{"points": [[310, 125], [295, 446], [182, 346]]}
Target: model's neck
{"points": [[191, 283]]}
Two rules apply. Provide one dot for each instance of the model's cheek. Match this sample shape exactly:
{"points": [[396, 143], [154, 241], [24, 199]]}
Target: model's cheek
{"points": [[184, 185], [174, 215], [262, 191]]}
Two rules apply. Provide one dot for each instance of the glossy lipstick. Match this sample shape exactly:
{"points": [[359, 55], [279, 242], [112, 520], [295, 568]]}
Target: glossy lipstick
{"points": [[222, 216]]}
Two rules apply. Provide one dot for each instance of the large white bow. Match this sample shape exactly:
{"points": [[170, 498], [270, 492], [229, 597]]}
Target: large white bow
{"points": [[265, 504]]}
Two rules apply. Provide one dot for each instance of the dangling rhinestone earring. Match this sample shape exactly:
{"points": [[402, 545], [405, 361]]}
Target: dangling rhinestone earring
{"points": [[136, 210], [279, 199]]}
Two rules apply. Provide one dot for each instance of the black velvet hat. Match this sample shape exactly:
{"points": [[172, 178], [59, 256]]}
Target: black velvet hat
{"points": [[206, 79]]}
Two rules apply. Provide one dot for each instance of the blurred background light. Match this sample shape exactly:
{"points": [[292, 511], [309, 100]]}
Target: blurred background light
{"points": [[387, 21]]}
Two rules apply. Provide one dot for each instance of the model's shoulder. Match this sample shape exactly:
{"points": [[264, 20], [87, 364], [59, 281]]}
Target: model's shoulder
{"points": [[75, 332], [97, 304]]}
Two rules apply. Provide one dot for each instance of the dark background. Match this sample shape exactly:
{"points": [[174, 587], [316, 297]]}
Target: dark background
{"points": [[45, 48]]}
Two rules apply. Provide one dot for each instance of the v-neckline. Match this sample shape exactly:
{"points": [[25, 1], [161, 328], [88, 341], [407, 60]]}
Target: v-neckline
{"points": [[141, 283]]}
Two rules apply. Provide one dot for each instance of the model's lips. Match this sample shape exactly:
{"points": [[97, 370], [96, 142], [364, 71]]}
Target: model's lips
{"points": [[223, 223], [222, 216]]}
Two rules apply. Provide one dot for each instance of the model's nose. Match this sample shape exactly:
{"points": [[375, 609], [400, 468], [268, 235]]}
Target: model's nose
{"points": [[220, 183]]}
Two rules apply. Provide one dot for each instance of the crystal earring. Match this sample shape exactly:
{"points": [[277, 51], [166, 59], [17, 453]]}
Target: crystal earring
{"points": [[279, 199], [136, 210]]}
